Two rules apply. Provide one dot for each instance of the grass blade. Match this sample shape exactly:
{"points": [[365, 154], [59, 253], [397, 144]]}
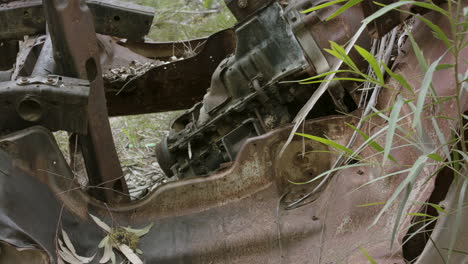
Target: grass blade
{"points": [[329, 143], [345, 7], [413, 174], [372, 62], [372, 143], [315, 8], [391, 127], [425, 85], [371, 260]]}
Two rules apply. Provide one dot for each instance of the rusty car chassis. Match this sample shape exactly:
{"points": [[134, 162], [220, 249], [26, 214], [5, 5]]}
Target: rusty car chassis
{"points": [[231, 202]]}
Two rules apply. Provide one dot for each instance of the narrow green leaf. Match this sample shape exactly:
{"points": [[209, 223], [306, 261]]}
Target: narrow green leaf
{"points": [[414, 172], [372, 62], [437, 207], [429, 6], [322, 6], [325, 74], [444, 67], [372, 143], [371, 204], [421, 214], [438, 32], [422, 94], [328, 143], [372, 261], [417, 51], [399, 79], [337, 79], [345, 7], [435, 157], [457, 251], [401, 208], [391, 127], [343, 55]]}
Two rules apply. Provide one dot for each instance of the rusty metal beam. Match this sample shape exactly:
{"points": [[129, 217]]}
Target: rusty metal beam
{"points": [[111, 17], [74, 41], [174, 86]]}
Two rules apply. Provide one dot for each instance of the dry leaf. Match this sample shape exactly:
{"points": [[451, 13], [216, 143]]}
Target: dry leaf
{"points": [[129, 254], [100, 223]]}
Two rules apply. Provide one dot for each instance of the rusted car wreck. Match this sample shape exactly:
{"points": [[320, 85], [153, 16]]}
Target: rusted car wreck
{"points": [[235, 200]]}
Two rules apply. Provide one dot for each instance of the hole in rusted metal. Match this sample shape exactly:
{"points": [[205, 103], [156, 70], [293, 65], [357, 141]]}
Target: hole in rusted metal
{"points": [[117, 18], [30, 109], [91, 69]]}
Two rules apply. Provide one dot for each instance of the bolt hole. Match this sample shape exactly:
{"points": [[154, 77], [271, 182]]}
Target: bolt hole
{"points": [[91, 69], [26, 13], [30, 109], [117, 18]]}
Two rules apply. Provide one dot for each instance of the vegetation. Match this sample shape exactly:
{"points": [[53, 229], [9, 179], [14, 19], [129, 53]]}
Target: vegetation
{"points": [[448, 153]]}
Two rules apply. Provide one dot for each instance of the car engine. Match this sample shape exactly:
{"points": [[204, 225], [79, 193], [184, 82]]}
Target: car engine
{"points": [[253, 90]]}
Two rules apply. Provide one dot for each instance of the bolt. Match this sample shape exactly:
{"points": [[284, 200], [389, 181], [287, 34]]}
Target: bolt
{"points": [[24, 80], [50, 80], [242, 3]]}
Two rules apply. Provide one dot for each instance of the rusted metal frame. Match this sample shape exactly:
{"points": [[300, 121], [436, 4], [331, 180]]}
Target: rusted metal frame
{"points": [[111, 17], [76, 52], [174, 86], [165, 50], [55, 102]]}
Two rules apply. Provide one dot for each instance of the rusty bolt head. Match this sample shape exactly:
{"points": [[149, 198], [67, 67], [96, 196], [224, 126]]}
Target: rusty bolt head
{"points": [[50, 80], [243, 3], [24, 80]]}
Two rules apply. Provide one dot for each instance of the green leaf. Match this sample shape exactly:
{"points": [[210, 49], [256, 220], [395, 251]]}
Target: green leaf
{"points": [[421, 214], [444, 67], [372, 261], [426, 83], [417, 51], [339, 52], [414, 172], [345, 7], [429, 6], [391, 127], [402, 81], [438, 32], [324, 74], [370, 204], [437, 207], [372, 143], [372, 62], [322, 6], [435, 157], [328, 143]]}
